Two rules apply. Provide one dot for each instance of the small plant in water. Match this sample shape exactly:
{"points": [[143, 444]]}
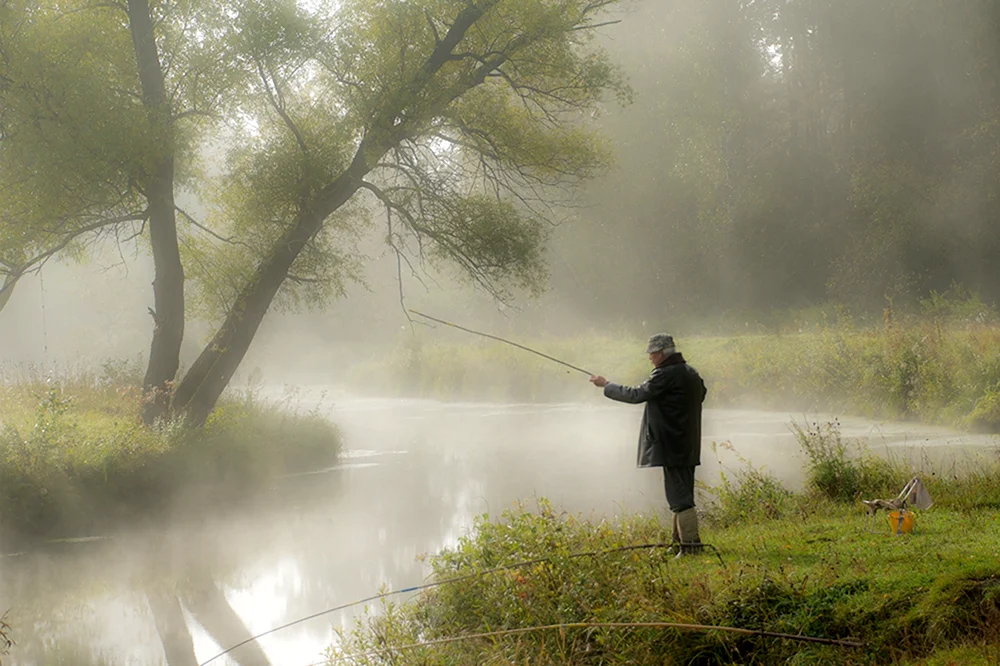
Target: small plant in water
{"points": [[6, 642]]}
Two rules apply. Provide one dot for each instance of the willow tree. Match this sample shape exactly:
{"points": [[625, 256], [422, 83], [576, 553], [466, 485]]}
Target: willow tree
{"points": [[101, 109], [465, 120], [64, 177]]}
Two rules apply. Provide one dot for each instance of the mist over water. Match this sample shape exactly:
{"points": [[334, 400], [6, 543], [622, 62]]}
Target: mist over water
{"points": [[415, 475], [784, 164]]}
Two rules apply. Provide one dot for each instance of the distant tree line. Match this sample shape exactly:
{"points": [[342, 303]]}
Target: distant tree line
{"points": [[783, 154]]}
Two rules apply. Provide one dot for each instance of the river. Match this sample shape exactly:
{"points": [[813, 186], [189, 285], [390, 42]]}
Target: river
{"points": [[414, 476]]}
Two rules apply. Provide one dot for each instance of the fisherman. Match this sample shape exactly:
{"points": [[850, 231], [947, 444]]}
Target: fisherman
{"points": [[670, 433]]}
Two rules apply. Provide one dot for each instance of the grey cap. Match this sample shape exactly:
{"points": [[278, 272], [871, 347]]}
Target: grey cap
{"points": [[660, 342]]}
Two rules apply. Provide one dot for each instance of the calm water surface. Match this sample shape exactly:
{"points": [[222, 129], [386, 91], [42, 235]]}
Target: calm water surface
{"points": [[414, 476]]}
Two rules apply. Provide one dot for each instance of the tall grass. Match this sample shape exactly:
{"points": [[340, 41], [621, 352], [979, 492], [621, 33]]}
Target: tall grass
{"points": [[6, 642], [75, 457], [806, 564], [918, 370]]}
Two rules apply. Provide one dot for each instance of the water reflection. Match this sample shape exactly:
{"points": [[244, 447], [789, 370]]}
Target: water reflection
{"points": [[416, 475]]}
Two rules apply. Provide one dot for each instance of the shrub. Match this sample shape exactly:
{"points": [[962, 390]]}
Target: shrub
{"points": [[985, 415], [748, 494], [75, 457], [837, 475], [820, 575], [945, 370]]}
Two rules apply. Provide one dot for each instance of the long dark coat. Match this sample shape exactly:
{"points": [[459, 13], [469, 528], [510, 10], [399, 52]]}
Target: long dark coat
{"points": [[670, 434]]}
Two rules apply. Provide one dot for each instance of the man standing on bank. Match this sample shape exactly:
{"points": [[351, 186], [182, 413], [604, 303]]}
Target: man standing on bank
{"points": [[670, 434]]}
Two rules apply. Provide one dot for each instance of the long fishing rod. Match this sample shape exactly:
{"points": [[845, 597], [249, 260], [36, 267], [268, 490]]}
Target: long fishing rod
{"points": [[499, 339], [456, 579], [597, 625]]}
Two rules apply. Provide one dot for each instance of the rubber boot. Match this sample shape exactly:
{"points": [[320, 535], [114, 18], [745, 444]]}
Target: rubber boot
{"points": [[675, 540], [687, 526]]}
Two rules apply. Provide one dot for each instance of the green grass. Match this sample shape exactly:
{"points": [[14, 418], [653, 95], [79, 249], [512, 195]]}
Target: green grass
{"points": [[806, 564], [75, 457], [919, 371]]}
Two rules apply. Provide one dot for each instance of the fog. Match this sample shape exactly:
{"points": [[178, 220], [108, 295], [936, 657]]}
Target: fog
{"points": [[780, 159], [775, 159], [415, 477]]}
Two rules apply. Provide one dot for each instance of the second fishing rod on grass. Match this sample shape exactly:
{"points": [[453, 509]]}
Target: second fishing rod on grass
{"points": [[670, 430]]}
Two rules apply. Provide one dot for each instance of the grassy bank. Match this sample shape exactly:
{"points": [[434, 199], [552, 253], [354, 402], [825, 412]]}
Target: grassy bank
{"points": [[75, 458], [804, 564], [926, 372]]}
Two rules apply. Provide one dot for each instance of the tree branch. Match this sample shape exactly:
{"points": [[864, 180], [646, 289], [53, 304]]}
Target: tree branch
{"points": [[277, 103], [595, 25], [33, 264], [195, 223]]}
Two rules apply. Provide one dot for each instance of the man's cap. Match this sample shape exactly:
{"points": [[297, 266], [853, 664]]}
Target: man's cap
{"points": [[660, 342]]}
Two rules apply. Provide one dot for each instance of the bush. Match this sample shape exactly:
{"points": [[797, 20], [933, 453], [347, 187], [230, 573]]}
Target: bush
{"points": [[945, 370], [821, 575], [80, 458], [835, 474], [748, 495], [985, 415]]}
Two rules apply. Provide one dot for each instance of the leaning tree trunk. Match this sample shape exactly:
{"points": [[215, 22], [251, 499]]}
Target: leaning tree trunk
{"points": [[168, 285], [204, 382], [7, 290], [199, 391]]}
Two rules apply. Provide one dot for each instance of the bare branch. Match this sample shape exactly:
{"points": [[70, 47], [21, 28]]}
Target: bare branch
{"points": [[193, 112], [276, 101], [40, 259], [594, 26], [195, 223], [430, 22]]}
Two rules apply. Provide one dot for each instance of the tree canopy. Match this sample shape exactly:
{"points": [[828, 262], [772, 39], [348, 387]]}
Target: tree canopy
{"points": [[463, 124]]}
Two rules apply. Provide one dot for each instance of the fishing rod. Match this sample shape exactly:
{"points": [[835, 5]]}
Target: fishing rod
{"points": [[456, 579], [595, 625], [499, 339]]}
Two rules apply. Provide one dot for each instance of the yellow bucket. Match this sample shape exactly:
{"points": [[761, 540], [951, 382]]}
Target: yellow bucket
{"points": [[901, 522]]}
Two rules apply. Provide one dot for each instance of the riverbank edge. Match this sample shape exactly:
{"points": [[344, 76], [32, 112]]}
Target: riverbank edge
{"points": [[75, 459], [920, 372], [807, 564]]}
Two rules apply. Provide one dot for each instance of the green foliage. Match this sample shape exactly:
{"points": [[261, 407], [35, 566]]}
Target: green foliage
{"points": [[958, 306], [56, 179], [467, 122], [985, 414], [820, 573], [841, 474], [464, 164], [908, 370], [748, 494], [74, 455], [969, 486], [6, 642], [78, 143]]}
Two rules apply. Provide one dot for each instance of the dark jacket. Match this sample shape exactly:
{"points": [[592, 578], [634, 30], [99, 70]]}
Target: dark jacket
{"points": [[670, 434]]}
